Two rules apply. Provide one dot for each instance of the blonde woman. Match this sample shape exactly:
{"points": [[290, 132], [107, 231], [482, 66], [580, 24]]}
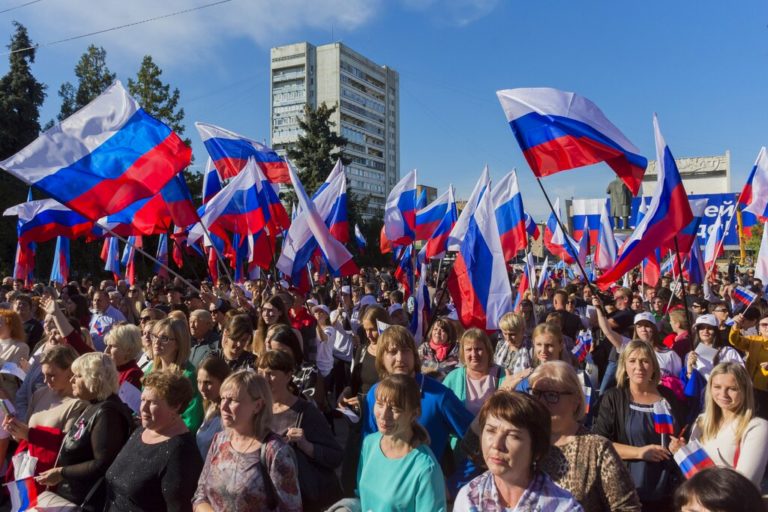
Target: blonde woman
{"points": [[171, 348], [248, 467], [728, 430], [513, 349]]}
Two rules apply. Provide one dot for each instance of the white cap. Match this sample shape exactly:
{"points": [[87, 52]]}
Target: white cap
{"points": [[322, 307], [645, 317], [346, 290], [706, 320]]}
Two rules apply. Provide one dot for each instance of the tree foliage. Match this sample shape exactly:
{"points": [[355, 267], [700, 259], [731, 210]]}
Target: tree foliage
{"points": [[93, 77], [318, 147], [156, 97], [21, 97]]}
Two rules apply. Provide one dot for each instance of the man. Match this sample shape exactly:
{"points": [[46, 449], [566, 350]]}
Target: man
{"points": [[193, 301], [205, 339], [218, 311], [104, 316], [571, 323], [32, 327]]}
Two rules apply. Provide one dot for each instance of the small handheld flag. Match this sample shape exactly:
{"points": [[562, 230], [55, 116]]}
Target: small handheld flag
{"points": [[663, 422], [583, 345], [744, 295], [23, 494], [692, 458], [587, 397]]}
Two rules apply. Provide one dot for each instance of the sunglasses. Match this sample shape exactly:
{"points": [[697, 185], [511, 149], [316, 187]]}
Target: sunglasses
{"points": [[551, 397]]}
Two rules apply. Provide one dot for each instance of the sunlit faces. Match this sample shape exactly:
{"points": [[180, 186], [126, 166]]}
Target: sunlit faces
{"points": [[154, 411], [513, 338], [476, 356], [506, 448], [371, 331], [726, 392], [79, 388], [269, 313], [232, 347], [208, 385], [707, 334], [639, 367], [392, 420], [399, 360], [558, 400], [56, 379], [100, 301], [547, 347], [164, 345], [645, 331], [238, 408], [439, 335], [118, 355]]}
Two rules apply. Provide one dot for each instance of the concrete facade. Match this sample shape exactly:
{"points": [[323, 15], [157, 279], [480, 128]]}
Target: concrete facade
{"points": [[701, 175], [368, 99]]}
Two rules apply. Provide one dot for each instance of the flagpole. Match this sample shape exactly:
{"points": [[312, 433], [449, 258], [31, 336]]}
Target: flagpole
{"points": [[142, 251], [183, 257], [566, 237], [219, 257], [682, 283]]}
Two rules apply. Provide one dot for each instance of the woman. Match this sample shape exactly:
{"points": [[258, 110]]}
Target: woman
{"points": [[398, 453], [679, 339], [13, 347], [637, 304], [756, 348], [513, 350], [145, 360], [158, 467], [237, 338], [716, 490], [442, 413], [78, 306], [478, 377], [584, 464], [171, 347], [626, 419], [52, 410], [515, 438], [729, 431], [302, 425], [708, 351], [248, 467], [273, 312], [440, 354], [211, 373], [123, 345], [94, 440], [325, 336]]}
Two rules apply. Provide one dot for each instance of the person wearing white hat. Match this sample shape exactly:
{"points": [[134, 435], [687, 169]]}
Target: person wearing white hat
{"points": [[326, 336], [709, 351]]}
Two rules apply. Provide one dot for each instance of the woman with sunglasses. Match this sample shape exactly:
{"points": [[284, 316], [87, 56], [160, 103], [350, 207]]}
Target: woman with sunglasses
{"points": [[584, 464]]}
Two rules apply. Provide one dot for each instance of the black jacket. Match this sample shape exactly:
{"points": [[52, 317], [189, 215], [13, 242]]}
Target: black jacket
{"points": [[612, 413]]}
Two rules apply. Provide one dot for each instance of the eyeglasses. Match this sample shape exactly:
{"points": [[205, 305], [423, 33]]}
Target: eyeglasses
{"points": [[163, 339], [551, 397]]}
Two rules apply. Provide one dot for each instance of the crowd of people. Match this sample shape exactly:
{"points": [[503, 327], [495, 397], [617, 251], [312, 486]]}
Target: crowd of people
{"points": [[260, 397]]}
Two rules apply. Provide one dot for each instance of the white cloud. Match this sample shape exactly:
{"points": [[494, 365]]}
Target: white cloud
{"points": [[192, 36], [453, 12]]}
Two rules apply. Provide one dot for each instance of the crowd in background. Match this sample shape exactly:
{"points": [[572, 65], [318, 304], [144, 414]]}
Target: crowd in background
{"points": [[257, 396]]}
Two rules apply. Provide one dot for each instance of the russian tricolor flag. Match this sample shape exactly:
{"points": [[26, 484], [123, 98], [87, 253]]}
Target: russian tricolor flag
{"points": [[211, 181], [421, 307], [668, 213], [761, 264], [60, 270], [543, 276], [110, 254], [478, 281], [437, 240], [560, 130], [162, 256], [531, 227], [754, 195], [230, 153], [690, 232], [459, 231], [663, 422], [586, 210], [23, 494], [104, 157], [695, 266], [400, 211], [360, 239], [558, 242], [336, 219], [404, 272], [526, 281], [606, 249], [744, 295], [510, 216], [692, 458], [429, 217], [714, 249], [129, 258], [46, 219]]}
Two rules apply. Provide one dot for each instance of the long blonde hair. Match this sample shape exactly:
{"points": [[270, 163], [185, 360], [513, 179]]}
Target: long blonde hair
{"points": [[711, 421]]}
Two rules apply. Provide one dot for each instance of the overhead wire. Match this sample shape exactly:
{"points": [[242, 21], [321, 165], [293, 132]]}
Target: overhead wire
{"points": [[19, 6]]}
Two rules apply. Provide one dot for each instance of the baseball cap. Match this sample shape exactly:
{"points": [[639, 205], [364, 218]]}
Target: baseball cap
{"points": [[706, 320], [645, 317]]}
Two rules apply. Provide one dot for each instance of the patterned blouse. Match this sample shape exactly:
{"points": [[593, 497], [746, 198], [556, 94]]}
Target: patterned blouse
{"points": [[235, 482], [542, 495], [431, 366], [514, 361], [589, 468]]}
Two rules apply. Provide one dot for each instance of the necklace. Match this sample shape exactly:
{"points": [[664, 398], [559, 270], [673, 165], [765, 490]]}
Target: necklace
{"points": [[238, 457]]}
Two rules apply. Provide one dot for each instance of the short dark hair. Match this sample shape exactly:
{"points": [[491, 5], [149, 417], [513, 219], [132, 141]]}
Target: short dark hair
{"points": [[720, 489], [522, 411], [284, 334], [172, 386], [277, 360]]}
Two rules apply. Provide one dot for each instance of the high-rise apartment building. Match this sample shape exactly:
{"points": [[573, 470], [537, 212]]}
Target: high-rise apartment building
{"points": [[367, 95]]}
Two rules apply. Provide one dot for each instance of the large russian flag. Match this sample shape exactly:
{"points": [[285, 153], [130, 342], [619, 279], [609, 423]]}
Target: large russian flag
{"points": [[755, 193], [230, 152], [560, 130], [458, 232], [668, 213], [429, 217], [690, 232], [46, 219], [400, 211], [104, 157], [337, 219], [478, 281], [586, 210], [510, 215]]}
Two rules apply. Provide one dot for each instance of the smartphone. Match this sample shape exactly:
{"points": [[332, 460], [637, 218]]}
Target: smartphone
{"points": [[5, 408]]}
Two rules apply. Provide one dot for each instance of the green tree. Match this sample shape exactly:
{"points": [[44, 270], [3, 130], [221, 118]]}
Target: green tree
{"points": [[156, 97], [93, 77], [21, 97], [752, 243], [318, 147]]}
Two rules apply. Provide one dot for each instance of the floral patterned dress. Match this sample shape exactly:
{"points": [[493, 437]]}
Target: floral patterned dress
{"points": [[237, 482]]}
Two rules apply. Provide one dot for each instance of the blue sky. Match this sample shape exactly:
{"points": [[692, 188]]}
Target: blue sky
{"points": [[701, 65]]}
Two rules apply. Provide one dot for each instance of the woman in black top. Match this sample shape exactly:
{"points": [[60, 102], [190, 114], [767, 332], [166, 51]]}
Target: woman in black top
{"points": [[94, 440], [159, 466]]}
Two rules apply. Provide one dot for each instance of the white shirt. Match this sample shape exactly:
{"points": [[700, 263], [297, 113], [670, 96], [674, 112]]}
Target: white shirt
{"points": [[101, 323]]}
